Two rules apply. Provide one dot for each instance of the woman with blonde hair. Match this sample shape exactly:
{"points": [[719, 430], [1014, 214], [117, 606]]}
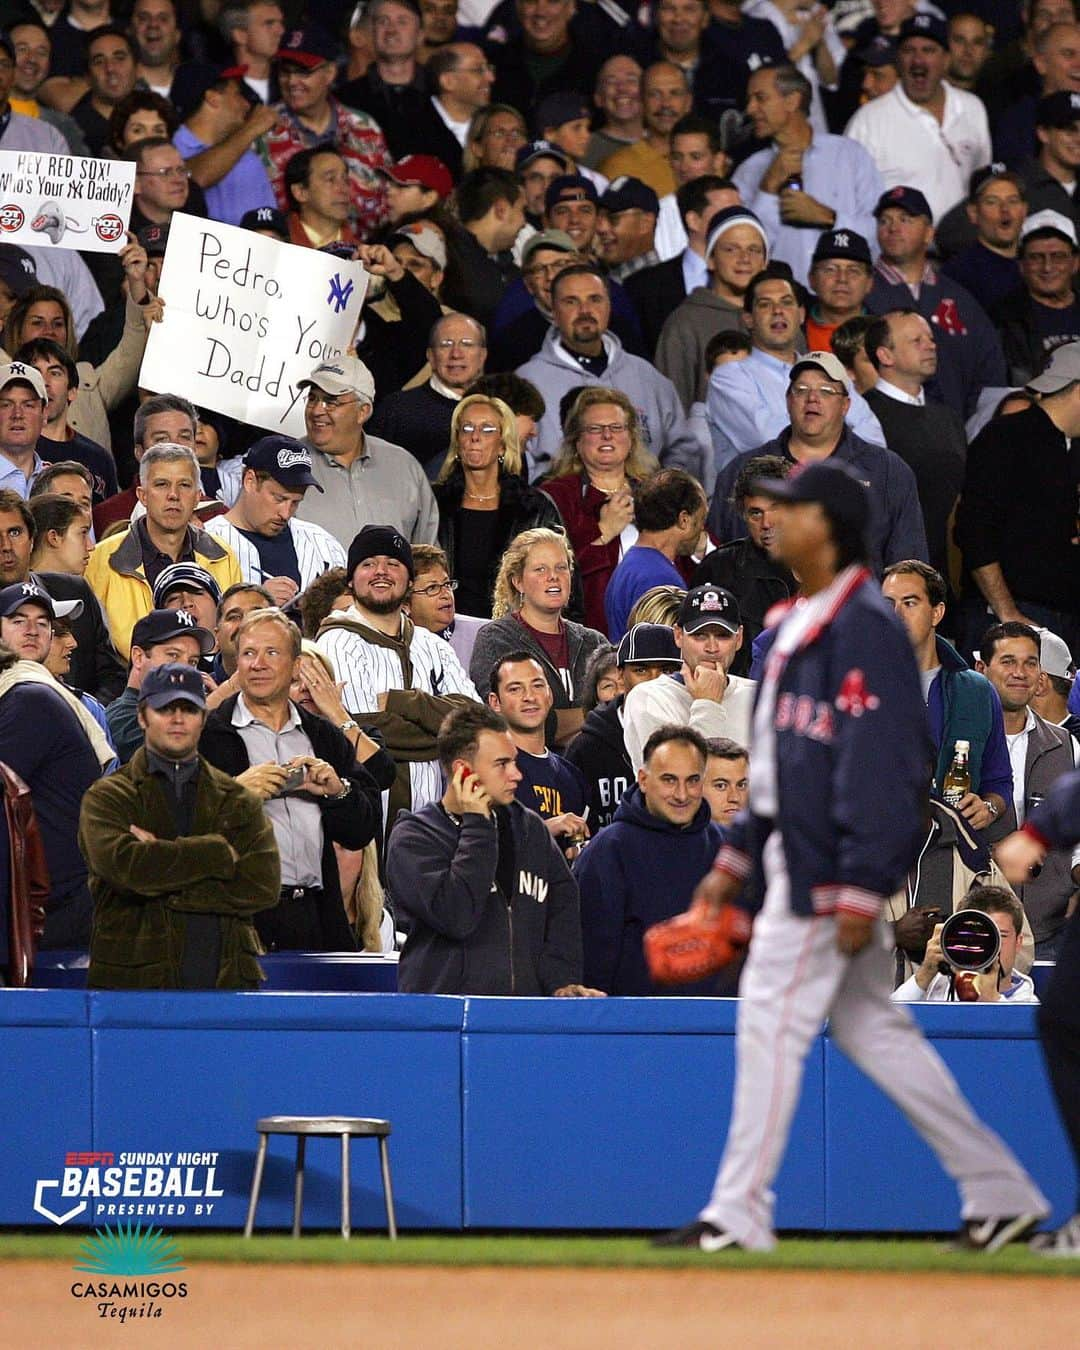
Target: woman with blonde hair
{"points": [[659, 604], [532, 592], [603, 457], [496, 133], [484, 498]]}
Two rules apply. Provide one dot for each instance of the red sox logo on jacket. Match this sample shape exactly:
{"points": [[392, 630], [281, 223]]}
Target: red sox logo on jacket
{"points": [[814, 718], [947, 318]]}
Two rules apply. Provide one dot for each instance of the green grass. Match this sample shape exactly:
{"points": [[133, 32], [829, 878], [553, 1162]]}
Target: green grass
{"points": [[849, 1254]]}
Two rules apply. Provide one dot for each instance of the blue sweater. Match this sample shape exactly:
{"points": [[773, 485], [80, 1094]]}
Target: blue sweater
{"points": [[639, 870], [640, 570]]}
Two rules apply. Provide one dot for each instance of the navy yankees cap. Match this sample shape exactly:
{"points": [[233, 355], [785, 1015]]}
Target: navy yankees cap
{"points": [[285, 460], [1059, 110], [648, 644], [18, 271], [172, 683], [540, 149], [184, 576], [907, 199], [162, 625], [990, 173], [842, 244], [555, 110], [266, 218], [707, 605], [380, 541], [879, 51], [923, 26], [30, 593], [831, 483], [629, 194]]}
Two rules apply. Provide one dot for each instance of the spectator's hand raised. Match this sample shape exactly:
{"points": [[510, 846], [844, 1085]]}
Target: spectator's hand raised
{"points": [[578, 991], [261, 119], [134, 261], [379, 261]]}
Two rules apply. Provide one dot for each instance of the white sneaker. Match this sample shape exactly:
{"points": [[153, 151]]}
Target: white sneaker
{"points": [[1065, 1241]]}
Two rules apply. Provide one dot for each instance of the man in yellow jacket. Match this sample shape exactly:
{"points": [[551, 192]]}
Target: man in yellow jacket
{"points": [[124, 567]]}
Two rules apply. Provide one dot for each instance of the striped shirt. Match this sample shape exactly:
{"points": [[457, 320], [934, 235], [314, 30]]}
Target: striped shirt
{"points": [[368, 670], [316, 549]]}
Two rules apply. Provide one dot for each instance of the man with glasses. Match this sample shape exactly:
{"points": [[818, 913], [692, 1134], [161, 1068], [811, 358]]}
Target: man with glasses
{"points": [[162, 182], [310, 115], [363, 478], [1042, 313], [419, 419], [275, 549], [430, 602], [841, 276], [818, 400], [805, 180], [747, 400], [460, 78]]}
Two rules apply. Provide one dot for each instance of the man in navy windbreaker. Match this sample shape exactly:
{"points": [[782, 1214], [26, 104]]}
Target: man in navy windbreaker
{"points": [[841, 757], [644, 866]]}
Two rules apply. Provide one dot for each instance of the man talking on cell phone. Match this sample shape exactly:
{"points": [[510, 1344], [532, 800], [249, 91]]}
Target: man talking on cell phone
{"points": [[478, 883], [265, 741]]}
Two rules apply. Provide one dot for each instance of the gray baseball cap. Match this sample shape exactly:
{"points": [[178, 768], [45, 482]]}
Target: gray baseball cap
{"points": [[1064, 369]]}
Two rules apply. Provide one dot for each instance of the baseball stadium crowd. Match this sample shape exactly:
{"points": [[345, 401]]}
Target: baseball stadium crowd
{"points": [[468, 672]]}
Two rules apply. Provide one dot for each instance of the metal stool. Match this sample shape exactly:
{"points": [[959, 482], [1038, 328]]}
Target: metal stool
{"points": [[343, 1127]]}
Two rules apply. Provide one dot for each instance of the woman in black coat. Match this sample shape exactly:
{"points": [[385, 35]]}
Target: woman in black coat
{"points": [[484, 499]]}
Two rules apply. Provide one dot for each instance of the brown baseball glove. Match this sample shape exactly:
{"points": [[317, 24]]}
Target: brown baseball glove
{"points": [[696, 944]]}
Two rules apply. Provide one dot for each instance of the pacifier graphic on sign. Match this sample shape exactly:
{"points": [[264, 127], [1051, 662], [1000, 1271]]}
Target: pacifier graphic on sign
{"points": [[51, 219]]}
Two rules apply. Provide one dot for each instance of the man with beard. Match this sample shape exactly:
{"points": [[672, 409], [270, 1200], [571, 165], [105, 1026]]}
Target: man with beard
{"points": [[400, 678]]}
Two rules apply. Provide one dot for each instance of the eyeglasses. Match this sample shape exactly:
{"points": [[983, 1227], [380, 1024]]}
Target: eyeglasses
{"points": [[175, 171], [466, 344], [1040, 259], [805, 390], [734, 251], [551, 269], [484, 428], [506, 134], [485, 68], [317, 396], [436, 588], [605, 429]]}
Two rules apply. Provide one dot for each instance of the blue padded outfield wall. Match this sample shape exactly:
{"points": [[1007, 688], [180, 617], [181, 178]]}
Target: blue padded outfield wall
{"points": [[506, 1113]]}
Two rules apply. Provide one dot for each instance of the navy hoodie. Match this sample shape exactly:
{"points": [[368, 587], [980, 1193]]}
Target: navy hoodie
{"points": [[599, 751], [638, 871]]}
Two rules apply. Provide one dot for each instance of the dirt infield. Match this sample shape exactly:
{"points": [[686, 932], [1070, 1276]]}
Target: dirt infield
{"points": [[251, 1308]]}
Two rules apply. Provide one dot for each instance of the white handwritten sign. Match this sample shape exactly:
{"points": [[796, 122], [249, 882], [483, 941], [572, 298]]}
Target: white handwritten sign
{"points": [[64, 202], [247, 318]]}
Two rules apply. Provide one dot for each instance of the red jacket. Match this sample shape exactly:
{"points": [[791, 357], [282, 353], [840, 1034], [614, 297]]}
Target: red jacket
{"points": [[29, 879], [580, 505]]}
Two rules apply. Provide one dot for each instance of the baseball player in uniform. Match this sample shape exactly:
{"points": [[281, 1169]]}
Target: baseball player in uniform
{"points": [[841, 759], [1056, 824]]}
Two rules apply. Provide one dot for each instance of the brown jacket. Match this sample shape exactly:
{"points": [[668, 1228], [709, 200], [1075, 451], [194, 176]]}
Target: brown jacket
{"points": [[29, 888]]}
